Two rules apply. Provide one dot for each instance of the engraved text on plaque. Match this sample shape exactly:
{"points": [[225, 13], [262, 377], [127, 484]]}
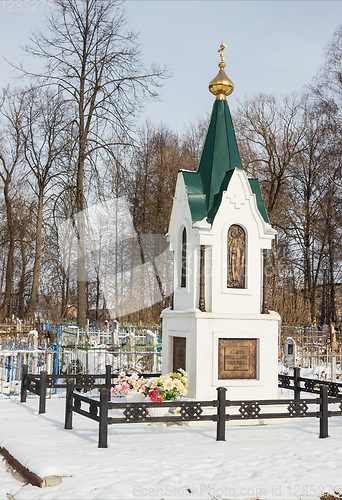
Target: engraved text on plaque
{"points": [[237, 359]]}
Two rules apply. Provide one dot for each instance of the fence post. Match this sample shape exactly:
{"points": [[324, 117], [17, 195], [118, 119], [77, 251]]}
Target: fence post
{"points": [[221, 414], [49, 370], [103, 427], [333, 367], [42, 395], [296, 382], [323, 412], [23, 384], [108, 379], [68, 404]]}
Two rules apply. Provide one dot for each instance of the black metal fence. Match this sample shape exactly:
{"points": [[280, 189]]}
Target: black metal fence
{"points": [[215, 410], [194, 411], [39, 383], [299, 384]]}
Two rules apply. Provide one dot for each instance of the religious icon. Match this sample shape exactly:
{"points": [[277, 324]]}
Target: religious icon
{"points": [[236, 257]]}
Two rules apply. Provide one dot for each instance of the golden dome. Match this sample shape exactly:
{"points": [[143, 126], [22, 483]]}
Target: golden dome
{"points": [[221, 85]]}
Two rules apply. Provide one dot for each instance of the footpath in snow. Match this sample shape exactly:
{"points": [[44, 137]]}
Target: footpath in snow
{"points": [[286, 460]]}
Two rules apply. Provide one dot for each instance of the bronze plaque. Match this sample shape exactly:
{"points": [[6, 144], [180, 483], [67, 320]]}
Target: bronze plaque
{"points": [[237, 359], [179, 353]]}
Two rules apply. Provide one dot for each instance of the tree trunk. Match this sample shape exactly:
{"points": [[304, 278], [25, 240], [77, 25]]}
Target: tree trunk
{"points": [[332, 301], [65, 295], [81, 291], [324, 295], [309, 294], [81, 279], [5, 307], [313, 304], [97, 312], [37, 258], [21, 290]]}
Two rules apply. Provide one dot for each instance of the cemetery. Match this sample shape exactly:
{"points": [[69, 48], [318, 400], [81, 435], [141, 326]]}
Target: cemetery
{"points": [[219, 360]]}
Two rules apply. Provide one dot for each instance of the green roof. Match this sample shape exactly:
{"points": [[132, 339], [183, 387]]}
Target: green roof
{"points": [[196, 197], [220, 152], [220, 157], [254, 183]]}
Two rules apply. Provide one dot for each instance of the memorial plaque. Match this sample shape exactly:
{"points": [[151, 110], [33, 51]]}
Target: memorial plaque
{"points": [[179, 353], [237, 359]]}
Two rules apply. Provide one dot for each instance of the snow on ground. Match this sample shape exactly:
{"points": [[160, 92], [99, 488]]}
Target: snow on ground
{"points": [[286, 460], [7, 481]]}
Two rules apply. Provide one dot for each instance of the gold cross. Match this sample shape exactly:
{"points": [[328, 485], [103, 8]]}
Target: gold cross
{"points": [[221, 49]]}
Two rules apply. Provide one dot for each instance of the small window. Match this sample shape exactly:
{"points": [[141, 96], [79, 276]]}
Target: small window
{"points": [[236, 257], [183, 262]]}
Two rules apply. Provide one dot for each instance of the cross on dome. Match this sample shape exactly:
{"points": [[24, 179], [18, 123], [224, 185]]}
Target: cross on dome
{"points": [[221, 85], [221, 49]]}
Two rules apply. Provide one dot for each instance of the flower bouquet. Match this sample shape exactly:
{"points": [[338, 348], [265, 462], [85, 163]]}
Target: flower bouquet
{"points": [[132, 387], [166, 388]]}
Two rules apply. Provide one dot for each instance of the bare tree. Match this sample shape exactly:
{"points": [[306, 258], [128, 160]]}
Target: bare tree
{"points": [[192, 142], [271, 133], [326, 96], [25, 233], [12, 114], [95, 62], [304, 224], [44, 141], [327, 87]]}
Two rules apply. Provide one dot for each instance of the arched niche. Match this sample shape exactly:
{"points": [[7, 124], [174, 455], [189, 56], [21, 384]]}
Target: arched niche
{"points": [[236, 257], [183, 267]]}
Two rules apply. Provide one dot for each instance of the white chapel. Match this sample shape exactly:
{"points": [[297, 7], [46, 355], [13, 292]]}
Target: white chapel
{"points": [[220, 329]]}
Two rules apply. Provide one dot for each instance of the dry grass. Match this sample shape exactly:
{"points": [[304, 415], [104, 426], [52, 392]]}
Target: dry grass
{"points": [[327, 496]]}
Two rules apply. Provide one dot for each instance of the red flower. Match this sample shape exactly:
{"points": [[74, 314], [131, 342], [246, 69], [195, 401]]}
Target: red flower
{"points": [[154, 396]]}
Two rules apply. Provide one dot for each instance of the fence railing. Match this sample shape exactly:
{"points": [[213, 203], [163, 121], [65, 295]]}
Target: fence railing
{"points": [[194, 411], [63, 360], [300, 384], [187, 410], [12, 358], [93, 360], [39, 384], [133, 336]]}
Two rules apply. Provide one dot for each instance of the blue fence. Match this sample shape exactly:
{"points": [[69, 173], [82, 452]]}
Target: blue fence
{"points": [[13, 355], [67, 348]]}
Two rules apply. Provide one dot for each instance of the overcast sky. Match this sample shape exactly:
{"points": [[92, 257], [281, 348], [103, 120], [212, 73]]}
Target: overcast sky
{"points": [[272, 47]]}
